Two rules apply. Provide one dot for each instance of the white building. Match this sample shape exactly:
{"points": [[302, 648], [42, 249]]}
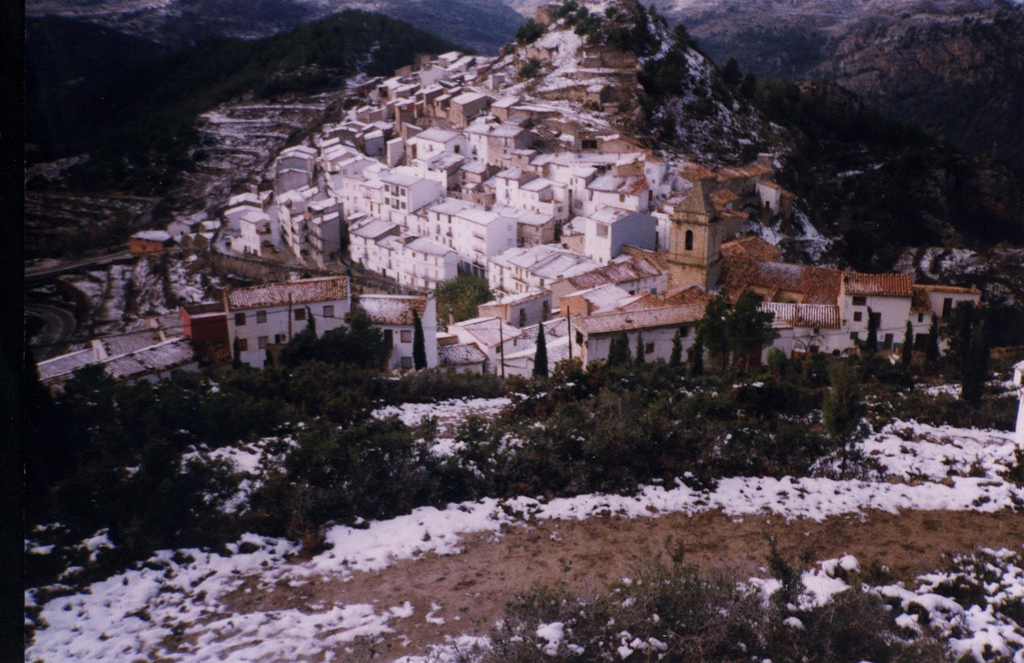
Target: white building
{"points": [[273, 313], [604, 239], [493, 336], [393, 314], [592, 335], [535, 268], [521, 310], [253, 230]]}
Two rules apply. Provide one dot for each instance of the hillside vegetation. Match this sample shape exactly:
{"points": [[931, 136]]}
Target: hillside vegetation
{"points": [[142, 133]]}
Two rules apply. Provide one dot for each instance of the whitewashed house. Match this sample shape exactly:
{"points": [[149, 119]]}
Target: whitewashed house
{"points": [[592, 335], [273, 313], [393, 314], [604, 239]]}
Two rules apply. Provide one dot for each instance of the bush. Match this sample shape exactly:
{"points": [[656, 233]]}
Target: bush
{"points": [[530, 69], [529, 32]]}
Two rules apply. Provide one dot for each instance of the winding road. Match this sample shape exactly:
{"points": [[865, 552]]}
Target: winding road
{"points": [[58, 326]]}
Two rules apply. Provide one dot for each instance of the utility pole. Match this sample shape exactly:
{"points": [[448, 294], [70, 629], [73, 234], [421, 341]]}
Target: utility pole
{"points": [[289, 317], [568, 326], [501, 346]]}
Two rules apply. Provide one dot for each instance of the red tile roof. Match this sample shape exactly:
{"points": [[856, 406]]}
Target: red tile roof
{"points": [[882, 285], [752, 246], [616, 321], [305, 291], [818, 285]]}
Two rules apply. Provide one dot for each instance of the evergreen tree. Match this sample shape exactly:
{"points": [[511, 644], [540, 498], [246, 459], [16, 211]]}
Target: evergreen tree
{"points": [[961, 335], [676, 358], [639, 357], [843, 408], [419, 346], [697, 356], [749, 86], [540, 360], [269, 360], [748, 329], [871, 345], [908, 347], [712, 328], [731, 74], [310, 321], [618, 351], [931, 352], [236, 353]]}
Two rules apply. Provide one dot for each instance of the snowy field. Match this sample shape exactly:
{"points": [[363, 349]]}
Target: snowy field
{"points": [[174, 608]]}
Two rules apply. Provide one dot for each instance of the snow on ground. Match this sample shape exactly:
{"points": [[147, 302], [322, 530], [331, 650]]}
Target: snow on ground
{"points": [[174, 600]]}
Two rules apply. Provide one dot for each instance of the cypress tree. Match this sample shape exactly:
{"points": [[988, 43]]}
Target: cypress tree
{"points": [[843, 408], [731, 73], [697, 362], [419, 346], [908, 347], [540, 360], [931, 353], [640, 354], [236, 353], [975, 366], [872, 343], [676, 358]]}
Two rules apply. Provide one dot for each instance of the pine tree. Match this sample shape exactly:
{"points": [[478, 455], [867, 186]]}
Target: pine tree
{"points": [[639, 357], [419, 346], [310, 321], [676, 358], [269, 359], [908, 347], [618, 350], [749, 87], [236, 353], [731, 73], [931, 352], [540, 360]]}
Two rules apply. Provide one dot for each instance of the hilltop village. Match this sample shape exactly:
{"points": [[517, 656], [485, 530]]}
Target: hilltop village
{"points": [[460, 164]]}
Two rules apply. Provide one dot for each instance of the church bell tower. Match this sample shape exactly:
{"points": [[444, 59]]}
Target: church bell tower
{"points": [[695, 241]]}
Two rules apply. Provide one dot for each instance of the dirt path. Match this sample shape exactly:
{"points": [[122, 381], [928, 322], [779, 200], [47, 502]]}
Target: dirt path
{"points": [[473, 587]]}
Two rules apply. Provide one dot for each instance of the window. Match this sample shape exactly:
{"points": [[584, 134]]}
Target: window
{"points": [[622, 197], [262, 342], [858, 316], [239, 319], [602, 230], [522, 317], [684, 332], [649, 348], [920, 317], [947, 307], [406, 362], [329, 311], [300, 314], [279, 338], [689, 240], [261, 317], [579, 338], [406, 336], [860, 301], [854, 336], [243, 344]]}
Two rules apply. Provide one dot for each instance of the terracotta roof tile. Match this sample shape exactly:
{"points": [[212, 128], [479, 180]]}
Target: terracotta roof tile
{"points": [[818, 285], [884, 285], [752, 246], [305, 291], [460, 355], [669, 316]]}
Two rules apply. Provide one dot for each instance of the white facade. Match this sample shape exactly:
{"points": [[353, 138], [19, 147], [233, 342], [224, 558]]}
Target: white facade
{"points": [[262, 315], [604, 240], [253, 229], [393, 314]]}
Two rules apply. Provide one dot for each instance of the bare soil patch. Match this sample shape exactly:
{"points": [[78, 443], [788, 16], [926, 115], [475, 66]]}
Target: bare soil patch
{"points": [[473, 587]]}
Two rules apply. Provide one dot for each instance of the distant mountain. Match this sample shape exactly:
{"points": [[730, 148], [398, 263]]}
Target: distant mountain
{"points": [[481, 25], [954, 67]]}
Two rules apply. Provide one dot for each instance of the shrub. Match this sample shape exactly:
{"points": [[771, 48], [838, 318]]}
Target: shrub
{"points": [[530, 69]]}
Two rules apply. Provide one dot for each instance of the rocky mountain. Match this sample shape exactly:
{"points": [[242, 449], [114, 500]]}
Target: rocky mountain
{"points": [[482, 25], [954, 67]]}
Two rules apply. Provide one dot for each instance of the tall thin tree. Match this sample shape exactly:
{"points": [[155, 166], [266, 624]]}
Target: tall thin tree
{"points": [[908, 347], [540, 360], [419, 347]]}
